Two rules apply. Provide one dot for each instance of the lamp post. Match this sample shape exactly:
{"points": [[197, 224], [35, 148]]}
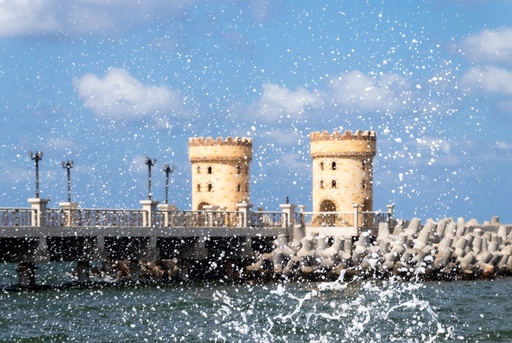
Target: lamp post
{"points": [[150, 163], [38, 156], [168, 170], [68, 165]]}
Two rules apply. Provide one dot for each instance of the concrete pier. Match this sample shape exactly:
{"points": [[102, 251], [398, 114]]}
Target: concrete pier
{"points": [[159, 242]]}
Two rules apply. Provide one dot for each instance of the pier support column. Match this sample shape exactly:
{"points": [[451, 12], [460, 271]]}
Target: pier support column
{"points": [[135, 270], [26, 274], [82, 271], [184, 269]]}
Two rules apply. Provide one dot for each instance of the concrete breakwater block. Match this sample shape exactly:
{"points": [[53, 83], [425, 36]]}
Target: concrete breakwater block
{"points": [[444, 250]]}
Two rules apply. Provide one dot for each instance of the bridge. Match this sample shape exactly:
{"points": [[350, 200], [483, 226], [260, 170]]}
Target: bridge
{"points": [[40, 234]]}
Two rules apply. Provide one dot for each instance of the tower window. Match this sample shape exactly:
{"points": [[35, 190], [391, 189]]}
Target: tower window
{"points": [[210, 187], [238, 169], [364, 164], [322, 166], [238, 188], [333, 184], [199, 187], [209, 170], [363, 185], [321, 184], [333, 165], [199, 169]]}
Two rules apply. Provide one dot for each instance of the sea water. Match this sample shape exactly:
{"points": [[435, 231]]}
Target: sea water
{"points": [[222, 311]]}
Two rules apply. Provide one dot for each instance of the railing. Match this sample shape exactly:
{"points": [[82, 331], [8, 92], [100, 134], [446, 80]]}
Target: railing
{"points": [[101, 217], [54, 217], [334, 219], [267, 219], [75, 217], [372, 219], [202, 219], [15, 216], [328, 219]]}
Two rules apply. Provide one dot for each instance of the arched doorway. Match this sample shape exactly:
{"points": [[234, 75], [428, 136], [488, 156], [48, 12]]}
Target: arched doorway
{"points": [[201, 206], [327, 219], [327, 206]]}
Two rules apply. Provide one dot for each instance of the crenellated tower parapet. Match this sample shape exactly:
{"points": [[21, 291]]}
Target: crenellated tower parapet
{"points": [[220, 171], [347, 143], [343, 170]]}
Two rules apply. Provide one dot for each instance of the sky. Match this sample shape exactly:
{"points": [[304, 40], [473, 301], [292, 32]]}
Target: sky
{"points": [[106, 83]]}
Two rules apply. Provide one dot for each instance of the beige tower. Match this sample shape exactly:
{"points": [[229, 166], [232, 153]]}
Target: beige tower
{"points": [[220, 171], [342, 172]]}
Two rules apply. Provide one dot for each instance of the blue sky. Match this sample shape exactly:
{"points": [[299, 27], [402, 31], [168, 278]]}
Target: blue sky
{"points": [[106, 83]]}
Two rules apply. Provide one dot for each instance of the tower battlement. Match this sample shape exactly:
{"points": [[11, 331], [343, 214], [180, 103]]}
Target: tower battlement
{"points": [[230, 149], [326, 144], [209, 141], [347, 135]]}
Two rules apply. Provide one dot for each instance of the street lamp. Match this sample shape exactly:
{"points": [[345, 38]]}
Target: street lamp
{"points": [[150, 163], [38, 156], [68, 165], [168, 170]]}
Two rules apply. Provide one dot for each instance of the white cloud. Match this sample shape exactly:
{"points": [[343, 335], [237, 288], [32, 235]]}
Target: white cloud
{"points": [[119, 95], [23, 17], [488, 79], [504, 145], [277, 102], [490, 46], [356, 91]]}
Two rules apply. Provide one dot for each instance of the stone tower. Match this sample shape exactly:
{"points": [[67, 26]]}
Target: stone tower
{"points": [[342, 171], [220, 171]]}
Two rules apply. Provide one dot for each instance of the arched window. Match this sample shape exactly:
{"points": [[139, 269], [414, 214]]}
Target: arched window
{"points": [[199, 169], [321, 165], [210, 187], [363, 185], [333, 184], [334, 165], [238, 168], [238, 188], [209, 170], [199, 187], [321, 184]]}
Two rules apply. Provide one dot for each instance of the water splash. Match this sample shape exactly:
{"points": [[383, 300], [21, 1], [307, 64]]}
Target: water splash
{"points": [[339, 311]]}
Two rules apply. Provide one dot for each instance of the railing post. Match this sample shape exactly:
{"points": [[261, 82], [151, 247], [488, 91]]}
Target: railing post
{"points": [[68, 213], [390, 214], [165, 209], [149, 208], [356, 212], [38, 217], [288, 210], [244, 208], [302, 208]]}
